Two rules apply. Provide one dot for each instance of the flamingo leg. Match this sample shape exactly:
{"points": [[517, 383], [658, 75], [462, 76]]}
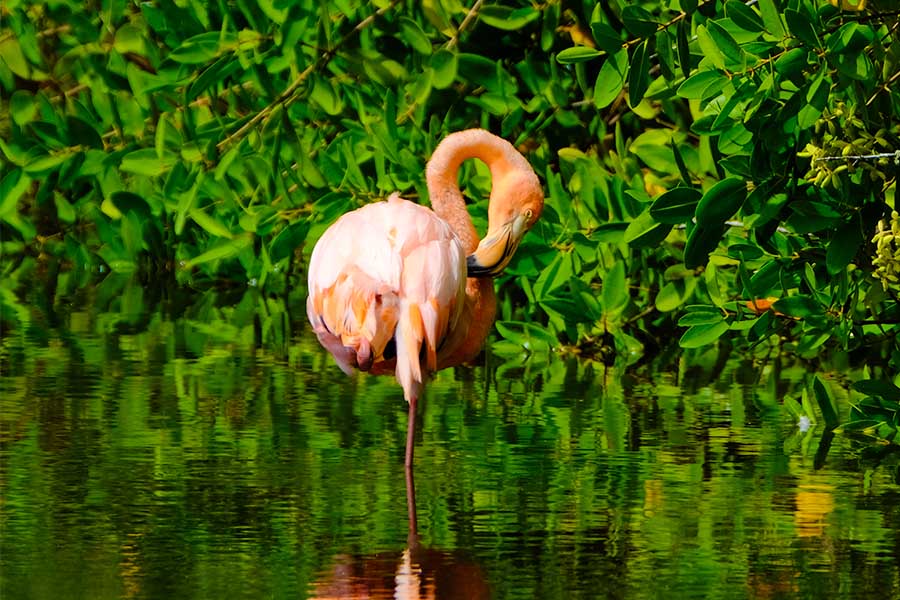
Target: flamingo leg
{"points": [[411, 433], [413, 538]]}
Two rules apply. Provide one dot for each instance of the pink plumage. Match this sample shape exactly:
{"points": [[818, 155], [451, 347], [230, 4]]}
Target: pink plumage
{"points": [[397, 287], [388, 272]]}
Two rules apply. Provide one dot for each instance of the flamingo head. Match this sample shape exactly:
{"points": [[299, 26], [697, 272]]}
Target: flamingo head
{"points": [[516, 204]]}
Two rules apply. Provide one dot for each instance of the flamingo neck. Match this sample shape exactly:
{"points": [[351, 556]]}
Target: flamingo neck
{"points": [[443, 168]]}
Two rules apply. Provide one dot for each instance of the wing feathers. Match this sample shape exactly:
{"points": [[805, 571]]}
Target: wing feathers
{"points": [[388, 270]]}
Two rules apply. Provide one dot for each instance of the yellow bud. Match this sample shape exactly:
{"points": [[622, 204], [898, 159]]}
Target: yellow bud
{"points": [[836, 181]]}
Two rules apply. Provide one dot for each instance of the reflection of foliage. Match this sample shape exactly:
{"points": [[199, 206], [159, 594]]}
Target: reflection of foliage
{"points": [[201, 142], [164, 448]]}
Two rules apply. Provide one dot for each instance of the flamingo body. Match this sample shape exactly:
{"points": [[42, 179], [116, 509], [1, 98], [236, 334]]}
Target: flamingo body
{"points": [[386, 288], [397, 287]]}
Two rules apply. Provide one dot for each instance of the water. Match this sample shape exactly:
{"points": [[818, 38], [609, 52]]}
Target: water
{"points": [[203, 446]]}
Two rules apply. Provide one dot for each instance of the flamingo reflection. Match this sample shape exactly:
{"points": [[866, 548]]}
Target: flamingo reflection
{"points": [[417, 573]]}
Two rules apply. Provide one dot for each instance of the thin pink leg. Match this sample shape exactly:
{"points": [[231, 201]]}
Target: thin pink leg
{"points": [[413, 538], [411, 433], [410, 481]]}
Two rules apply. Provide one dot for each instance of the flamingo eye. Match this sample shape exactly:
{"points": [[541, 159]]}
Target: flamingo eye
{"points": [[528, 214]]}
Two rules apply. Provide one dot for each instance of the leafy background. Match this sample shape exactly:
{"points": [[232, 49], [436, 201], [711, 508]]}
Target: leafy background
{"points": [[718, 173]]}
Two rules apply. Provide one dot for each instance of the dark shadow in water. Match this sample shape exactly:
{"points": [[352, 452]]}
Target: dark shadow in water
{"points": [[416, 573], [822, 450]]}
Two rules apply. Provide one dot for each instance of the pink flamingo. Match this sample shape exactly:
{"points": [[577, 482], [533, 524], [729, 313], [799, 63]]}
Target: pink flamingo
{"points": [[397, 288]]}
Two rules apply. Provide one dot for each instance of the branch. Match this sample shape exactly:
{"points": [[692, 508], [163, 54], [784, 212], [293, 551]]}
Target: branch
{"points": [[288, 96], [856, 157], [473, 12], [885, 88]]}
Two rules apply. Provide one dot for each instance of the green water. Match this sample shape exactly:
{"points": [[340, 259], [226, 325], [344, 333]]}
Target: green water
{"points": [[161, 445]]}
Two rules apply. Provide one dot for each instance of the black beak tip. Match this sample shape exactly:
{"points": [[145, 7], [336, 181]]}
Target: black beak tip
{"points": [[474, 269]]}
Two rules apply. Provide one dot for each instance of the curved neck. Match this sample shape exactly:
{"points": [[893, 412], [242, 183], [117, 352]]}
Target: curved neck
{"points": [[442, 170]]}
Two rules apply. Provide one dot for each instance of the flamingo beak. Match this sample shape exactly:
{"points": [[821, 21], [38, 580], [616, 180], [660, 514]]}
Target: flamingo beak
{"points": [[497, 248]]}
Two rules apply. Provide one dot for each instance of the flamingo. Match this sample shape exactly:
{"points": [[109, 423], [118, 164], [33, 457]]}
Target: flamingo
{"points": [[395, 287]]}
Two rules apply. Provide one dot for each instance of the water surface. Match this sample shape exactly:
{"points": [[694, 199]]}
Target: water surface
{"points": [[203, 446]]}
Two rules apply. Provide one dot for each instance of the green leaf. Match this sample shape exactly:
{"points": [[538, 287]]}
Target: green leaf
{"points": [[766, 279], [13, 185], [675, 206], [611, 78], [326, 96], [745, 252], [698, 336], [703, 85], [126, 202], [734, 56], [743, 16], [792, 62], [675, 293], [289, 239], [577, 54], [412, 34], [444, 64], [615, 289], [638, 74], [22, 107], [146, 162], [823, 398], [607, 38], [528, 335], [843, 247], [800, 306], [554, 275], [11, 54], [198, 49], [679, 162], [851, 38], [223, 249], [682, 34], [644, 232], [701, 314], [701, 241], [214, 74], [42, 166], [639, 21], [129, 39], [816, 100], [883, 388], [721, 202], [709, 47], [800, 26], [771, 18], [856, 66], [83, 133], [483, 71], [108, 208], [507, 18], [664, 53], [211, 224]]}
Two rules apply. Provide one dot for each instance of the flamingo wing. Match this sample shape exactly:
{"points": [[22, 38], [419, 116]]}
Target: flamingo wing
{"points": [[390, 271]]}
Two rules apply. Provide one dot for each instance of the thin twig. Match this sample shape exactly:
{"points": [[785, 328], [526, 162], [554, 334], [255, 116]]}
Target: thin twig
{"points": [[473, 12], [884, 88], [54, 31], [854, 157], [289, 94]]}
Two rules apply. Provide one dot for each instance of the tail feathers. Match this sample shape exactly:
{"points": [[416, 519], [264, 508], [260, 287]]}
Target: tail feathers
{"points": [[359, 314], [409, 336], [434, 323], [356, 323], [420, 328]]}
